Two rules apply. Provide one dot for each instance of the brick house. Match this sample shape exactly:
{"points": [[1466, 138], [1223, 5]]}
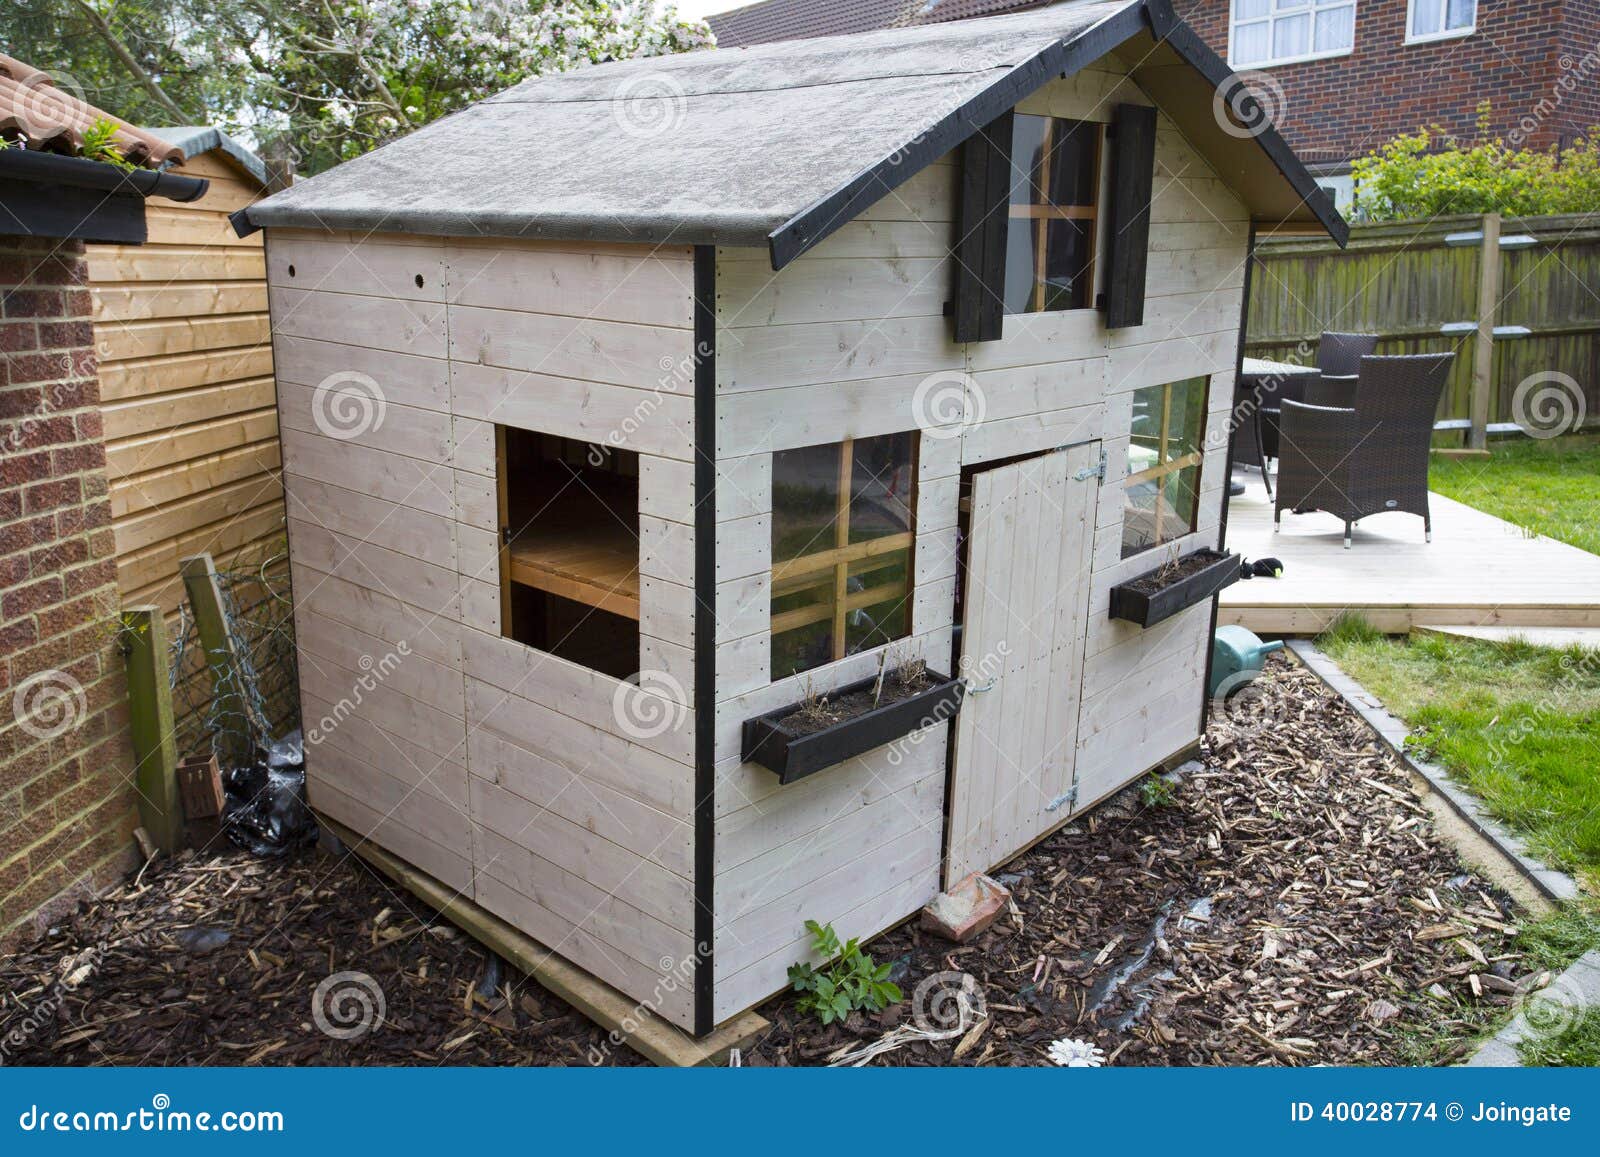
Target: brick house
{"points": [[1343, 76], [68, 805]]}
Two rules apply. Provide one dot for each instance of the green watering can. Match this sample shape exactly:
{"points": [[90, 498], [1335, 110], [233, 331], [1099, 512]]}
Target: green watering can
{"points": [[1237, 656]]}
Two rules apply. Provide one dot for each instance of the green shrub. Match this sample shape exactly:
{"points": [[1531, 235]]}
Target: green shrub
{"points": [[853, 981], [1428, 174]]}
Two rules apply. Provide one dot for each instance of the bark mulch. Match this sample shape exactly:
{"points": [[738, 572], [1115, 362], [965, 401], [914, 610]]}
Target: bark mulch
{"points": [[1289, 904], [1286, 903], [217, 960]]}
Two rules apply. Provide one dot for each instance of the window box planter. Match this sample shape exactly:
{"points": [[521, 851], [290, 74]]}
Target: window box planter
{"points": [[1163, 592], [797, 748]]}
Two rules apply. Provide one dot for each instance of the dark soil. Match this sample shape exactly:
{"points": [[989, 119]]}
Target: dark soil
{"points": [[827, 710], [1286, 903], [1167, 575]]}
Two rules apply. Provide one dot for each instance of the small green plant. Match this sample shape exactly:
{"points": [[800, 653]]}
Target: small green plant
{"points": [[99, 144], [852, 981], [1156, 792]]}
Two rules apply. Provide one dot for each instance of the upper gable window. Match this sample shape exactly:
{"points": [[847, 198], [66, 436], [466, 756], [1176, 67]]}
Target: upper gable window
{"points": [[1055, 186], [1440, 19], [1285, 31]]}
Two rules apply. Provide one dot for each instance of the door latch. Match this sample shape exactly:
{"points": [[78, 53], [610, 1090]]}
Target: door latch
{"points": [[1096, 471], [1070, 798]]}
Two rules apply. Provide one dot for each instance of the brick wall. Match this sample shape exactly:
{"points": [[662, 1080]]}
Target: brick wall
{"points": [[67, 802], [1343, 107]]}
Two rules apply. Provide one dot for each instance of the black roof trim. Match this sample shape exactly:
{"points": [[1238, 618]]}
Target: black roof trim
{"points": [[819, 220], [823, 217], [1166, 26], [84, 173]]}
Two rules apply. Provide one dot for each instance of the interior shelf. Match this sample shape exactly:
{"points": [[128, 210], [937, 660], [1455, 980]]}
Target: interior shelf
{"points": [[577, 548]]}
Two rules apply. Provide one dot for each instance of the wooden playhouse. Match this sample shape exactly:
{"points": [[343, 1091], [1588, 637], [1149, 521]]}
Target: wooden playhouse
{"points": [[635, 420]]}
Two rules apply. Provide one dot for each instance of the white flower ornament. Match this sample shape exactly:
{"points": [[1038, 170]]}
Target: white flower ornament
{"points": [[1076, 1054]]}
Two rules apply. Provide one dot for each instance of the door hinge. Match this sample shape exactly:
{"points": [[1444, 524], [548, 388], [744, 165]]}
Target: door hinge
{"points": [[1070, 798], [1096, 471]]}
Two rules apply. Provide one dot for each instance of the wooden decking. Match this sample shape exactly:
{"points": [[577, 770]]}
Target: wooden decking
{"points": [[1478, 571]]}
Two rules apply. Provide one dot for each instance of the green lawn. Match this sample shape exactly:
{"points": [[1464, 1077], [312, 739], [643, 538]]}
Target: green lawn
{"points": [[1519, 726], [1550, 487]]}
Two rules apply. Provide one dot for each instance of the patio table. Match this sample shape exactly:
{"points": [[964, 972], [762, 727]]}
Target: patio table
{"points": [[1263, 385]]}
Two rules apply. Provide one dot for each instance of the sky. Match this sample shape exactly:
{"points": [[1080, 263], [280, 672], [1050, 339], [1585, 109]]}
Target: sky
{"points": [[692, 8]]}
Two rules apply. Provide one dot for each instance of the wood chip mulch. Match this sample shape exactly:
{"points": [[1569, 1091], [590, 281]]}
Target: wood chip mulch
{"points": [[216, 960], [1288, 904]]}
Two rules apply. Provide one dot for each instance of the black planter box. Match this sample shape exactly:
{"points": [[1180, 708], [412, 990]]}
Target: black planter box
{"points": [[795, 756], [1149, 608]]}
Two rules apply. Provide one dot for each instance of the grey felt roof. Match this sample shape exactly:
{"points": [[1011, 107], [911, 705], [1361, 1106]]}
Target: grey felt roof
{"points": [[773, 145], [197, 139]]}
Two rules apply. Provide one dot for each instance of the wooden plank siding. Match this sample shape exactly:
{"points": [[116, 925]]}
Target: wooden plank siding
{"points": [[836, 346], [504, 772], [185, 355]]}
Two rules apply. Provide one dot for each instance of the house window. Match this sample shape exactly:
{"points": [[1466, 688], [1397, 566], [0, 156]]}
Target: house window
{"points": [[1284, 31], [1440, 19], [1162, 490], [1055, 186], [841, 549], [569, 548]]}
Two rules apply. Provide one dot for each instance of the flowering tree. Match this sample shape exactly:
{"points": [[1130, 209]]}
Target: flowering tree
{"points": [[334, 78]]}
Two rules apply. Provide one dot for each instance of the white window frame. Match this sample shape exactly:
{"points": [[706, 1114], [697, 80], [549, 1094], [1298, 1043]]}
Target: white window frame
{"points": [[1309, 6], [1435, 37]]}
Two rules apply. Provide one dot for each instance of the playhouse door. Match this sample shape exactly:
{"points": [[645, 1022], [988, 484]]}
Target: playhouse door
{"points": [[1029, 547]]}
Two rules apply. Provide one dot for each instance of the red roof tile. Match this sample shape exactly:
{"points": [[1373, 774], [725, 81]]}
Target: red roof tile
{"points": [[53, 119]]}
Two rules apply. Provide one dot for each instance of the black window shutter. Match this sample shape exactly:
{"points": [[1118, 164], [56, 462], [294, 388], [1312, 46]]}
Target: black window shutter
{"points": [[981, 241], [1133, 161]]}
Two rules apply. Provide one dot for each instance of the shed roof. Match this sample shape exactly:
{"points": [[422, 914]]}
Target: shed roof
{"points": [[54, 119], [197, 139], [795, 19], [775, 145]]}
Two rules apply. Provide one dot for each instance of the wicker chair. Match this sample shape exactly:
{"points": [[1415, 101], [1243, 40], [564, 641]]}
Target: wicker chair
{"points": [[1340, 354], [1370, 458]]}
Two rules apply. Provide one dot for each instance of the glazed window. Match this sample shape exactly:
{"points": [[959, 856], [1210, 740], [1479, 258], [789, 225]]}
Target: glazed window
{"points": [[569, 548], [1284, 31], [1162, 491], [1440, 19], [842, 529], [1055, 185]]}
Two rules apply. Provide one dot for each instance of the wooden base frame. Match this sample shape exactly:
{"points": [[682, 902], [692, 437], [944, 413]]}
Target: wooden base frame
{"points": [[627, 1021]]}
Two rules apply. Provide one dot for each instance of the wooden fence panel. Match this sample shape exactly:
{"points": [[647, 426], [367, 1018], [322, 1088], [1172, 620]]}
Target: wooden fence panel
{"points": [[1401, 280]]}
